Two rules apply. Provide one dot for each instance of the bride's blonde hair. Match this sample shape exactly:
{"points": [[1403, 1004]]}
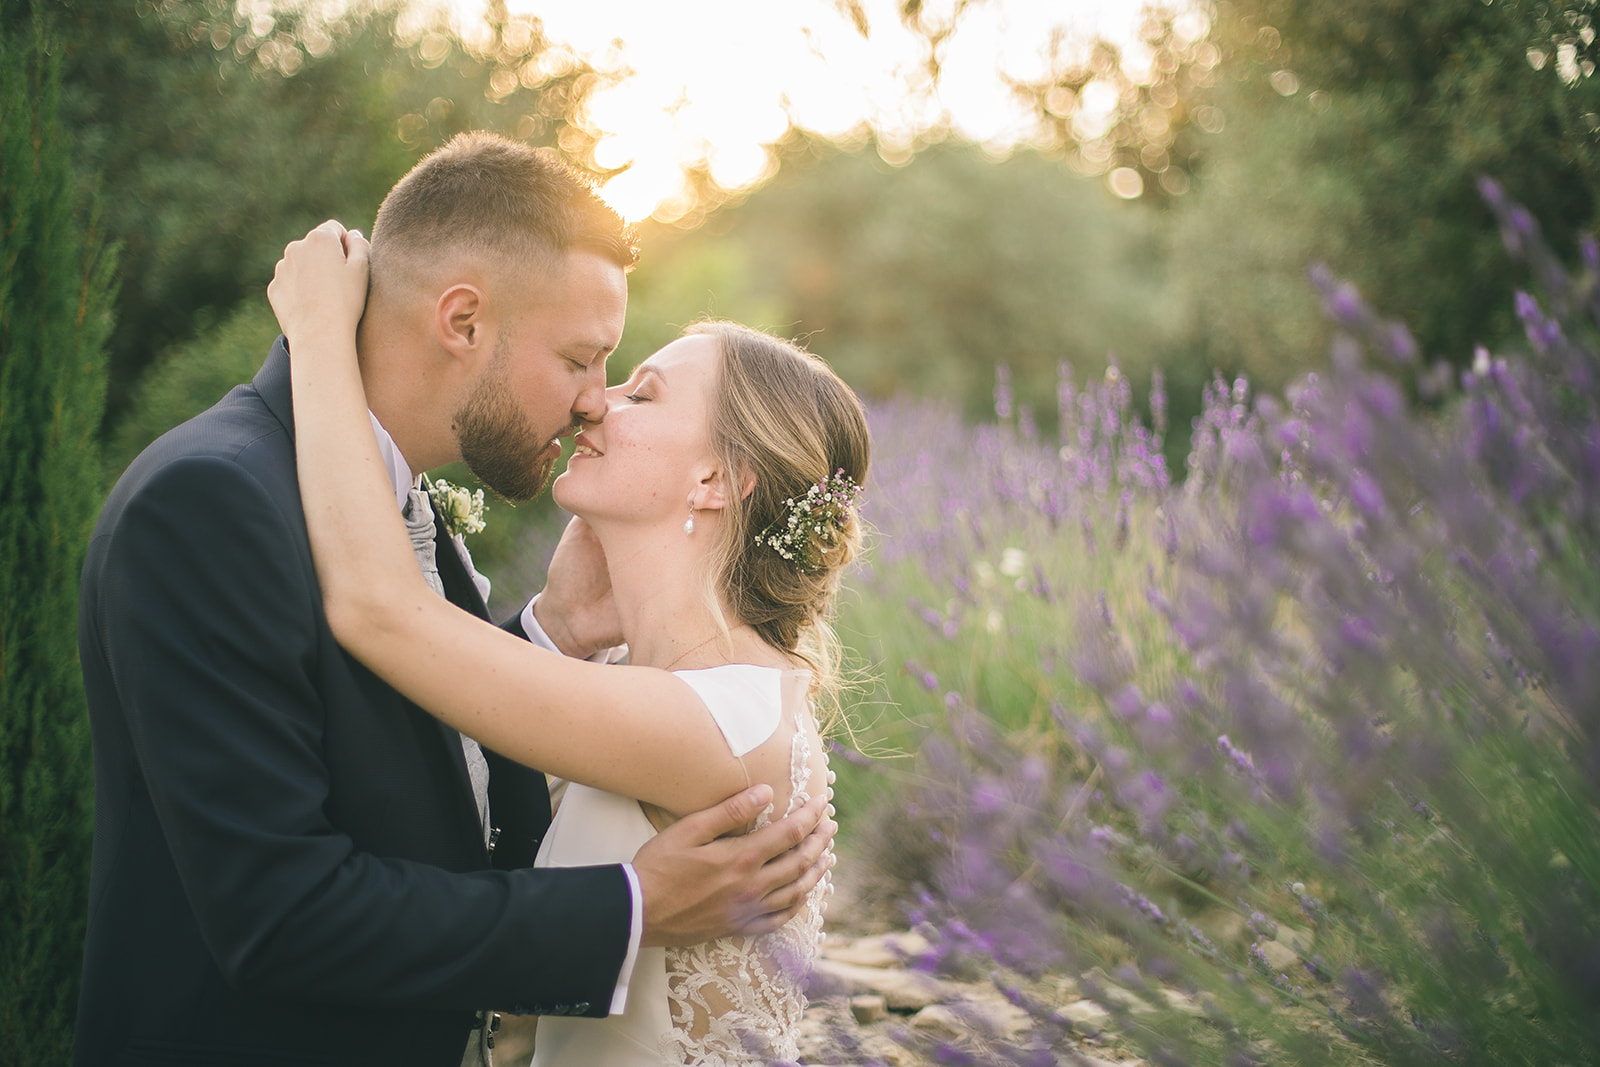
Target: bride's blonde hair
{"points": [[784, 421]]}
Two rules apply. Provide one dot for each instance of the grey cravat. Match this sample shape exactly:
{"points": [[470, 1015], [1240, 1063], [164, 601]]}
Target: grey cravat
{"points": [[419, 524]]}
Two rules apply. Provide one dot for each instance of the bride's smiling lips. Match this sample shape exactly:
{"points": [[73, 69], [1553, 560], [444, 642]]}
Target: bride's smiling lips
{"points": [[582, 447]]}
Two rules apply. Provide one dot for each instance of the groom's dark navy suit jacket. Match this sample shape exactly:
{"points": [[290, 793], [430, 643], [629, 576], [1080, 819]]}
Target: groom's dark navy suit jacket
{"points": [[288, 864]]}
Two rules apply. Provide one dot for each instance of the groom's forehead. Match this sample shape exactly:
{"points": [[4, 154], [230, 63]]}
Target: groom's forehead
{"points": [[578, 285]]}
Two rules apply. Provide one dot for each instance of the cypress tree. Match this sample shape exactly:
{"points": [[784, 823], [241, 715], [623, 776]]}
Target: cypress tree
{"points": [[55, 288]]}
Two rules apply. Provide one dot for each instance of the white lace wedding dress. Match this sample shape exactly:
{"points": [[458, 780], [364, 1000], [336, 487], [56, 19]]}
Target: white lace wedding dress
{"points": [[735, 1001]]}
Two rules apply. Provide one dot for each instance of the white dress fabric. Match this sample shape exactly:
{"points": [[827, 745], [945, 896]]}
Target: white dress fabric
{"points": [[732, 1002]]}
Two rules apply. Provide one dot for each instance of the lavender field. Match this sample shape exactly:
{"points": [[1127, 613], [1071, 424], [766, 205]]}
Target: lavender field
{"points": [[1306, 731]]}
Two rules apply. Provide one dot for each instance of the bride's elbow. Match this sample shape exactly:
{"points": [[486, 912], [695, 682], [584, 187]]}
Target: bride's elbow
{"points": [[352, 615]]}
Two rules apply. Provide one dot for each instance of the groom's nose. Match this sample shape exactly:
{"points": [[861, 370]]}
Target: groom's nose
{"points": [[591, 405]]}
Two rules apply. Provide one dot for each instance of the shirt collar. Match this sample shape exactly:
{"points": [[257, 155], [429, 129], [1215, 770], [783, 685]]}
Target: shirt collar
{"points": [[399, 470]]}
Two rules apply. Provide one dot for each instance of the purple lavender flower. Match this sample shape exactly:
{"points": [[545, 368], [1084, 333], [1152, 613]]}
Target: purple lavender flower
{"points": [[1004, 403], [1369, 634]]}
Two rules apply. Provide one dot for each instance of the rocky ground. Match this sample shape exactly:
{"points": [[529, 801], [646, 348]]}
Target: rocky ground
{"points": [[868, 1005]]}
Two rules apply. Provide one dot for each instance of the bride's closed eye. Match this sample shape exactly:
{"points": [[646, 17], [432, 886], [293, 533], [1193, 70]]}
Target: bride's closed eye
{"points": [[637, 398]]}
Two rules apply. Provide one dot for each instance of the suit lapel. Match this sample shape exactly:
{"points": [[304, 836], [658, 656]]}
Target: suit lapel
{"points": [[520, 797], [460, 591], [459, 588]]}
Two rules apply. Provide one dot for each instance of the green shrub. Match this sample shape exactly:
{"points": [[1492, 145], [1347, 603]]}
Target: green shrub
{"points": [[54, 300]]}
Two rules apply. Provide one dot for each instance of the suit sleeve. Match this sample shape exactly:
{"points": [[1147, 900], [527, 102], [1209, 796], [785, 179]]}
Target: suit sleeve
{"points": [[211, 620]]}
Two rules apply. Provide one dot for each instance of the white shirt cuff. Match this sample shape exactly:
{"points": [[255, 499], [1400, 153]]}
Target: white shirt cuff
{"points": [[536, 634], [619, 999]]}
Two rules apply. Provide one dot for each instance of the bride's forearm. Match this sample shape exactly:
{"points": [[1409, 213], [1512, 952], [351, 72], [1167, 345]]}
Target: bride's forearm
{"points": [[363, 559]]}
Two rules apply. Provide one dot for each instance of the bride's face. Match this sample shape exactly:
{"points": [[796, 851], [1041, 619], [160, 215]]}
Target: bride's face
{"points": [[643, 462]]}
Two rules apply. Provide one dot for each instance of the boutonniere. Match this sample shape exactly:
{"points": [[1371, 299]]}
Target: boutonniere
{"points": [[461, 511]]}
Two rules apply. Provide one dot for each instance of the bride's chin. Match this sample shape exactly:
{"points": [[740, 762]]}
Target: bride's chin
{"points": [[557, 490], [569, 496]]}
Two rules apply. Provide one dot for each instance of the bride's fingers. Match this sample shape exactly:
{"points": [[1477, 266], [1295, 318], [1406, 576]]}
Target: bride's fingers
{"points": [[332, 229], [320, 236], [327, 252], [357, 248], [321, 281]]}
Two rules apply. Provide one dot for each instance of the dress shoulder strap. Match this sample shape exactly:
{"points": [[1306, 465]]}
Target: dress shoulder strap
{"points": [[745, 701]]}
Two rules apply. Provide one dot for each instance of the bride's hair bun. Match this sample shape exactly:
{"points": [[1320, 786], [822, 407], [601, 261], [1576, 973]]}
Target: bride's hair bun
{"points": [[788, 425]]}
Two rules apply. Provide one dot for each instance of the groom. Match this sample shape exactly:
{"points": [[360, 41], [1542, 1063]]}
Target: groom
{"points": [[292, 863]]}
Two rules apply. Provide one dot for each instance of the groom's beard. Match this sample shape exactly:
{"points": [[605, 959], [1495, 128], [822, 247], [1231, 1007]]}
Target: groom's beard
{"points": [[498, 442]]}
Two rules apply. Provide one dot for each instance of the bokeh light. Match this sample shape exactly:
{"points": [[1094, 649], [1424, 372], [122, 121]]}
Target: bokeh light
{"points": [[709, 86]]}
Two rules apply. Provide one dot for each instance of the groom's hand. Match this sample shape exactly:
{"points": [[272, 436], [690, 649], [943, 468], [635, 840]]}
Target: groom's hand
{"points": [[576, 609], [698, 884]]}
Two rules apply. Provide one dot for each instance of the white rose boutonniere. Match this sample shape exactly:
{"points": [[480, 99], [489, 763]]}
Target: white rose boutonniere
{"points": [[461, 511]]}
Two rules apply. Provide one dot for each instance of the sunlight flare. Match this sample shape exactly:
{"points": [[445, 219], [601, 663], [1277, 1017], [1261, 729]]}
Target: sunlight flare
{"points": [[711, 86]]}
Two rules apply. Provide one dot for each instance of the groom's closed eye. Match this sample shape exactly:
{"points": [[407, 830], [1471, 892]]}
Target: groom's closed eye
{"points": [[583, 357]]}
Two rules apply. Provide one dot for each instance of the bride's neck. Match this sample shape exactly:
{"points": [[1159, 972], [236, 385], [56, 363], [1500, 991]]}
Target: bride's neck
{"points": [[665, 618]]}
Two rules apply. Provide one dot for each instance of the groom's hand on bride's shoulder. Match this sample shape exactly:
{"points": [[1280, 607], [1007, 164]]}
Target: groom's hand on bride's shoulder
{"points": [[698, 884]]}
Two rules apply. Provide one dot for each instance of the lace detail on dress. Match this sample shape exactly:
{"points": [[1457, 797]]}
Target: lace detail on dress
{"points": [[737, 1001]]}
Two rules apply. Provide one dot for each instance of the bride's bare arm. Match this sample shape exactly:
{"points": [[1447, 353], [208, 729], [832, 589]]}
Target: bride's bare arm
{"points": [[635, 731]]}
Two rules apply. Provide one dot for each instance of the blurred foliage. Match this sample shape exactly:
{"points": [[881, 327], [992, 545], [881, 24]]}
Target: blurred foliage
{"points": [[1353, 135], [918, 279], [54, 318], [1296, 763], [190, 377], [1157, 114]]}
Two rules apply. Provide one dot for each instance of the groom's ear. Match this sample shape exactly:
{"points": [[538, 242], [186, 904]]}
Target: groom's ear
{"points": [[458, 322]]}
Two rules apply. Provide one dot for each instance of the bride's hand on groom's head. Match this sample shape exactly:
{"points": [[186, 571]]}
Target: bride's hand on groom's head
{"points": [[320, 284], [699, 884]]}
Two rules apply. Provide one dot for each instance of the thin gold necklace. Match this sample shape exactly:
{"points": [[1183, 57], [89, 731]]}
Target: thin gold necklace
{"points": [[686, 652]]}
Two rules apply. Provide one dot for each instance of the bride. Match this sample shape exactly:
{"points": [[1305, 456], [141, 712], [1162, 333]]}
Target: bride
{"points": [[721, 486]]}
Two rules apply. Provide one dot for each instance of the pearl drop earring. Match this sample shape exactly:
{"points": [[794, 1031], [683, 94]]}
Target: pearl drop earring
{"points": [[688, 526]]}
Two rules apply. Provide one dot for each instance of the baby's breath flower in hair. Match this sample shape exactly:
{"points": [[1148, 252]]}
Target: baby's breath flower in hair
{"points": [[814, 523]]}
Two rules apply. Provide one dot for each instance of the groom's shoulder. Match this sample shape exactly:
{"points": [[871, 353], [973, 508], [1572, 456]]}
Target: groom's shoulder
{"points": [[237, 439]]}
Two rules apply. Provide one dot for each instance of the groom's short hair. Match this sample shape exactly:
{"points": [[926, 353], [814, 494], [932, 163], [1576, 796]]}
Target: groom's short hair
{"points": [[488, 195]]}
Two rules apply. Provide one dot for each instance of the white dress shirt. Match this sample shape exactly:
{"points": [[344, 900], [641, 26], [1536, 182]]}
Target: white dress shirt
{"points": [[404, 481]]}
